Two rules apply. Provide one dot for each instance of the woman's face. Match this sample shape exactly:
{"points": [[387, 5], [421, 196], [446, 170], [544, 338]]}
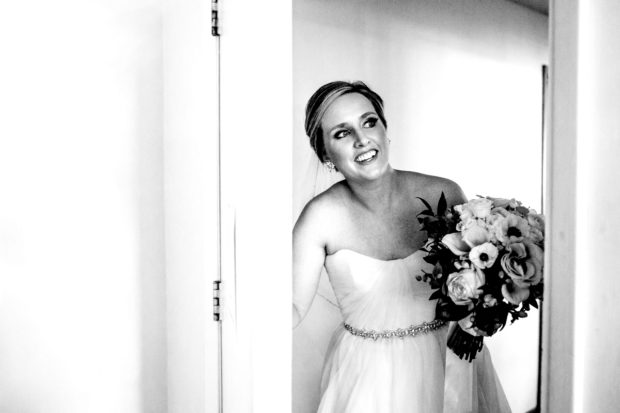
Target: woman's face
{"points": [[355, 138]]}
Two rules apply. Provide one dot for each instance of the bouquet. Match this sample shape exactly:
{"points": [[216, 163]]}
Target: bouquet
{"points": [[488, 263]]}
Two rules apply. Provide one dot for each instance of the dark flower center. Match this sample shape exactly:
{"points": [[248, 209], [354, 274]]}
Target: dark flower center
{"points": [[484, 257], [513, 232]]}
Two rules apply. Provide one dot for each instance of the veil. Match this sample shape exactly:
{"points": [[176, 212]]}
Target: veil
{"points": [[311, 338]]}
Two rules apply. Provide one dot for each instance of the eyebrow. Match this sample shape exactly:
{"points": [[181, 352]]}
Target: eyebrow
{"points": [[343, 124]]}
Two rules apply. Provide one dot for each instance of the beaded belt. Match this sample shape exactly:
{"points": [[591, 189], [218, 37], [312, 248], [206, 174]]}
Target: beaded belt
{"points": [[412, 330]]}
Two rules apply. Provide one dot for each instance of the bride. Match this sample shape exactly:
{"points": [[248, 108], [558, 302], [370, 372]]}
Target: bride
{"points": [[389, 355]]}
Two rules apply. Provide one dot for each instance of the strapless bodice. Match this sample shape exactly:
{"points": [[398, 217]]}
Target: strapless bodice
{"points": [[380, 294], [384, 375]]}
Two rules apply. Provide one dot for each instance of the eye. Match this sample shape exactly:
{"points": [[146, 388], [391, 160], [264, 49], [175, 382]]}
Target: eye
{"points": [[341, 134], [370, 123]]}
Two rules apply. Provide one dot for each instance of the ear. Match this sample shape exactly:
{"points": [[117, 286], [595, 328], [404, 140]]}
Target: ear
{"points": [[325, 156]]}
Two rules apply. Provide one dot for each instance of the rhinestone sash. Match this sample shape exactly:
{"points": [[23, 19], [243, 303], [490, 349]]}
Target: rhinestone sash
{"points": [[412, 330]]}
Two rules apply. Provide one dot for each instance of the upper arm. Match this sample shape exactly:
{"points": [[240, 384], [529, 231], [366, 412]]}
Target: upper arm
{"points": [[435, 186], [308, 257], [454, 193]]}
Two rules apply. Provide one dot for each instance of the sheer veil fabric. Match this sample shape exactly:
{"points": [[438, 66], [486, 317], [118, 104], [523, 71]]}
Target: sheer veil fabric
{"points": [[312, 337]]}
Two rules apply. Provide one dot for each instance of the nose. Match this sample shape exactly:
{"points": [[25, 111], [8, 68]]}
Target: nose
{"points": [[360, 139]]}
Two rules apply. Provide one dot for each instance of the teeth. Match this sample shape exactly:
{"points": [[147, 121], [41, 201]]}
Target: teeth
{"points": [[366, 156]]}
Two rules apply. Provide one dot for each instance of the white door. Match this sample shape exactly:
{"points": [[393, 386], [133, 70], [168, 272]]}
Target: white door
{"points": [[256, 184]]}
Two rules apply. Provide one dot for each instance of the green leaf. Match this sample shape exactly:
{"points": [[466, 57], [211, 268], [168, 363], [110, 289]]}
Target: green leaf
{"points": [[426, 204], [442, 206], [523, 210]]}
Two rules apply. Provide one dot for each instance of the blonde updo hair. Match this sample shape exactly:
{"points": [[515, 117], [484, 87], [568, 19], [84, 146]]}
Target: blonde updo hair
{"points": [[323, 98]]}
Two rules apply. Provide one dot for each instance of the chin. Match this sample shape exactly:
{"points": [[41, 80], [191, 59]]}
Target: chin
{"points": [[376, 172]]}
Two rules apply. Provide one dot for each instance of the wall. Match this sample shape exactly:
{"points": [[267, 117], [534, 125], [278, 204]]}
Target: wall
{"points": [[462, 85], [597, 287], [82, 288]]}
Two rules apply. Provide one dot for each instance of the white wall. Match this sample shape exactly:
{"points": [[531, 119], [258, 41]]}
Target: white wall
{"points": [[462, 86], [597, 287], [82, 298]]}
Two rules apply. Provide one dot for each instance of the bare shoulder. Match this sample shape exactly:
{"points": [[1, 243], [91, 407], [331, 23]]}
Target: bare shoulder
{"points": [[430, 187], [323, 209]]}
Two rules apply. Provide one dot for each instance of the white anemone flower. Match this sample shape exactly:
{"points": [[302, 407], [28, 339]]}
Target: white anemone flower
{"points": [[484, 255], [511, 229]]}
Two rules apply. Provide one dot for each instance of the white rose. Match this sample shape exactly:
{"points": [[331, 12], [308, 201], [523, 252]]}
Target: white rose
{"points": [[463, 286], [476, 234], [481, 207], [476, 208]]}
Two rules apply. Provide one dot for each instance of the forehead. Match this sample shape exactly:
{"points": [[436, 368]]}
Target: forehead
{"points": [[346, 108]]}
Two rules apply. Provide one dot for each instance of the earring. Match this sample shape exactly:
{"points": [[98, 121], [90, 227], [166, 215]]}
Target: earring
{"points": [[389, 140], [330, 165]]}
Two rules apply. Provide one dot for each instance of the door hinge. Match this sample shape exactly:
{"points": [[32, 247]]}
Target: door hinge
{"points": [[215, 25], [216, 300]]}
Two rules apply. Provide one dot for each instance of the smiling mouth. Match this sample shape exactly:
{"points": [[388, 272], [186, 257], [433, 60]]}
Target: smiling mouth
{"points": [[366, 156]]}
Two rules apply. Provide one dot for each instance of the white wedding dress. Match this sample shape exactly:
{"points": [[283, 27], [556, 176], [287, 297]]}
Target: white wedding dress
{"points": [[386, 375], [393, 374]]}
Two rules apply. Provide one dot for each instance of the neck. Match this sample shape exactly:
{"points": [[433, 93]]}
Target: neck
{"points": [[375, 195]]}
